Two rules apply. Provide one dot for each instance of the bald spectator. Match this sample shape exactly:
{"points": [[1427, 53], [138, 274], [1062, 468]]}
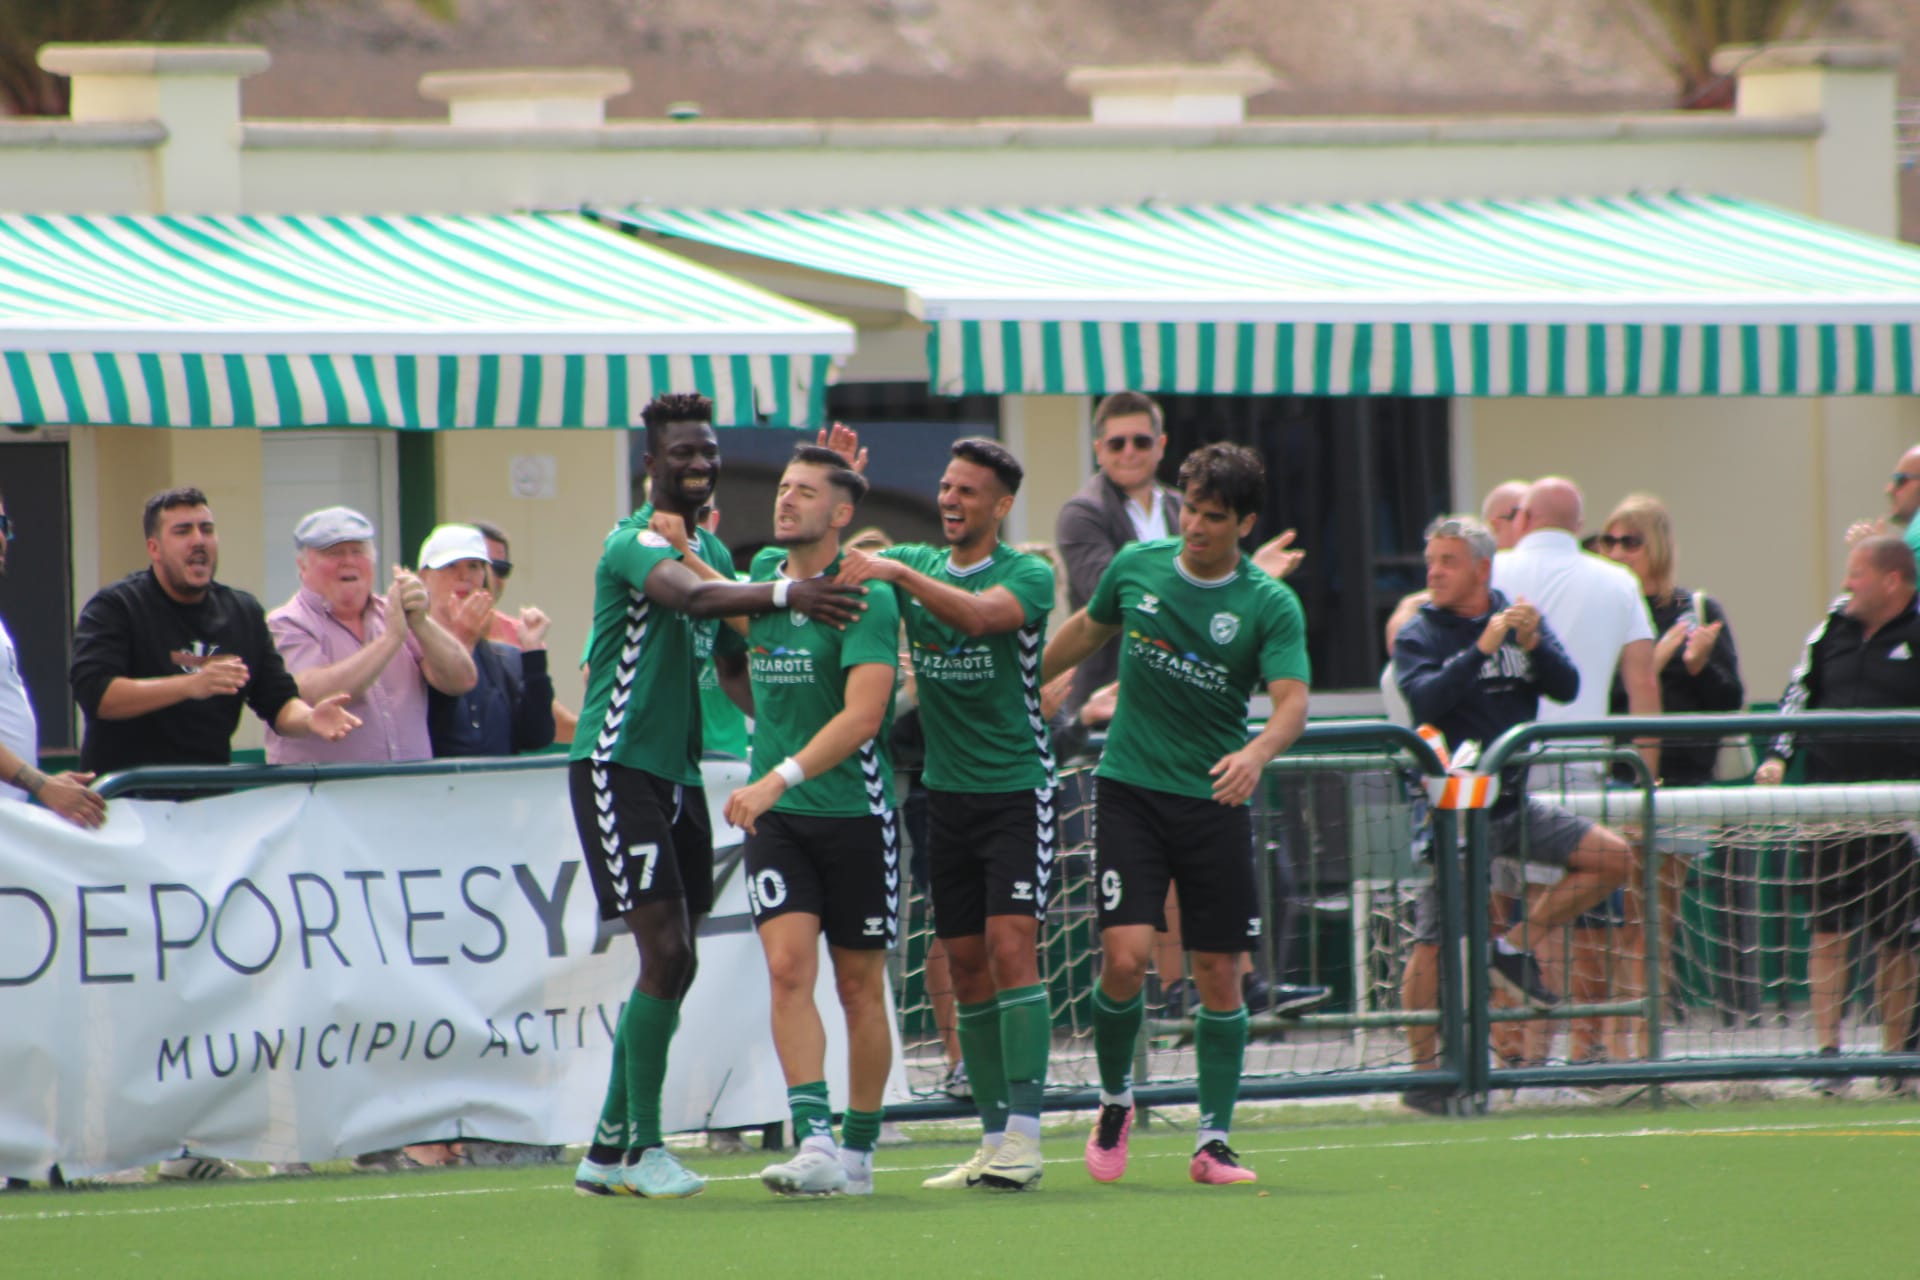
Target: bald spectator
{"points": [[1593, 605], [337, 636], [1865, 656], [1501, 512]]}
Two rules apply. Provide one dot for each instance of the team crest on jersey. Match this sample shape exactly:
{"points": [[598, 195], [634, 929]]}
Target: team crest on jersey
{"points": [[1224, 627], [1149, 604], [648, 538]]}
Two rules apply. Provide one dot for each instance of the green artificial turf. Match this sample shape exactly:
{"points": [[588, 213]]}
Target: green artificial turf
{"points": [[1785, 1189]]}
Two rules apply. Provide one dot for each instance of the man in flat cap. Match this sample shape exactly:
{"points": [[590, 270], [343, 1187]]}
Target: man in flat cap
{"points": [[338, 636]]}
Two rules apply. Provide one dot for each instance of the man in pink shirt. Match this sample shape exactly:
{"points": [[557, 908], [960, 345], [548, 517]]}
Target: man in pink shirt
{"points": [[336, 636]]}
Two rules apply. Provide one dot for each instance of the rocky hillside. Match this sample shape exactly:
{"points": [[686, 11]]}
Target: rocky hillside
{"points": [[747, 58]]}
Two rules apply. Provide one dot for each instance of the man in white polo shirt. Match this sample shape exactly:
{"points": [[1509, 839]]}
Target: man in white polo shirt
{"points": [[1596, 609]]}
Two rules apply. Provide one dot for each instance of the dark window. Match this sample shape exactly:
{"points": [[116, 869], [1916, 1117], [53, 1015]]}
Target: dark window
{"points": [[1359, 478], [36, 593]]}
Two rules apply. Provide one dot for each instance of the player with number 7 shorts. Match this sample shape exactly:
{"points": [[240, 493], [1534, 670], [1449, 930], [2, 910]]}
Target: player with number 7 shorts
{"points": [[1202, 628], [634, 776]]}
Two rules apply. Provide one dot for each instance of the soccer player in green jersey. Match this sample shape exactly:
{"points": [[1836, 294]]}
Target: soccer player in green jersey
{"points": [[634, 779], [822, 851], [976, 617], [1203, 628]]}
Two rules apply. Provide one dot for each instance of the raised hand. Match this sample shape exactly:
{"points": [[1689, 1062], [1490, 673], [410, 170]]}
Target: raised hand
{"points": [[673, 527], [469, 616], [1277, 557], [845, 441], [410, 593], [533, 628], [1700, 642]]}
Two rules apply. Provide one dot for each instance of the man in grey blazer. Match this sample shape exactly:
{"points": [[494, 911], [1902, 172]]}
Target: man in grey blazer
{"points": [[1121, 502]]}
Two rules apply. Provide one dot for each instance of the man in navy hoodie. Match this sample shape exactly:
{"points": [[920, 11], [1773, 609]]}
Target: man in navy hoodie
{"points": [[1474, 665]]}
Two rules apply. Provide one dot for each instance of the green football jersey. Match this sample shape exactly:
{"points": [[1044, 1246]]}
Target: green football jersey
{"points": [[980, 696], [642, 707], [799, 672], [1191, 653], [723, 726]]}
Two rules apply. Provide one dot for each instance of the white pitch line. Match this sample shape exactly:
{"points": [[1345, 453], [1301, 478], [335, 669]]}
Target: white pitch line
{"points": [[1325, 1148]]}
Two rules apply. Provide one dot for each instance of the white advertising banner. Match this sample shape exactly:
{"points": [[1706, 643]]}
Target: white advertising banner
{"points": [[306, 972]]}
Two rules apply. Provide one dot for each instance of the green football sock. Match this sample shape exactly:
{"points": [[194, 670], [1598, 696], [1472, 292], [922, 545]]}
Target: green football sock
{"points": [[610, 1135], [860, 1130], [1026, 1036], [1116, 1029], [1220, 1044], [647, 1029], [981, 1050], [812, 1115]]}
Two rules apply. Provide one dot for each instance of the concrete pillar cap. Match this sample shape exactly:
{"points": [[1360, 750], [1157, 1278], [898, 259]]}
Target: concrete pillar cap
{"points": [[236, 60], [1833, 55]]}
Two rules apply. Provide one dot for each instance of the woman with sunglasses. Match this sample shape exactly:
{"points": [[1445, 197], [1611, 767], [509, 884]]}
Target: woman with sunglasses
{"points": [[1699, 670]]}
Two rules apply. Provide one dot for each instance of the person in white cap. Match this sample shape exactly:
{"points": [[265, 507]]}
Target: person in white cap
{"points": [[383, 651], [510, 708]]}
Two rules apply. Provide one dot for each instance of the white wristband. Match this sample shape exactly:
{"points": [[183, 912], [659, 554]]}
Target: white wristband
{"points": [[790, 772], [780, 588]]}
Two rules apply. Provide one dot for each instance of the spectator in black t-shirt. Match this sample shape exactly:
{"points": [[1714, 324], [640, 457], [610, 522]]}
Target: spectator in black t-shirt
{"points": [[163, 658]]}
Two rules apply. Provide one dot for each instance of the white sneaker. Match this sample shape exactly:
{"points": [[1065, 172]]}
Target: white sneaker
{"points": [[1015, 1167], [199, 1169], [859, 1172], [962, 1176], [810, 1173]]}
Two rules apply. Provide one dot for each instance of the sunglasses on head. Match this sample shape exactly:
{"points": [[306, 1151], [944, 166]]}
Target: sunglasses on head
{"points": [[1114, 444], [502, 569], [1625, 541]]}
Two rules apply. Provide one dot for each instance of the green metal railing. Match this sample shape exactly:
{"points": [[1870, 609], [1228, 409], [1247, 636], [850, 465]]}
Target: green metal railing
{"points": [[1464, 1016]]}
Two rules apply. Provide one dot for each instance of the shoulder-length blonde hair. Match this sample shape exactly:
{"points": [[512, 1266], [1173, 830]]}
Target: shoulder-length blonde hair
{"points": [[1646, 515]]}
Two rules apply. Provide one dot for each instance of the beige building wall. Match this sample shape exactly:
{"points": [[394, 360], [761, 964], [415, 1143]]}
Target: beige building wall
{"points": [[1762, 489], [556, 493]]}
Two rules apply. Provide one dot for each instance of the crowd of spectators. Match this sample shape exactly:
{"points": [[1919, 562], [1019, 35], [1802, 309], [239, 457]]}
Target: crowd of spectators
{"points": [[428, 665]]}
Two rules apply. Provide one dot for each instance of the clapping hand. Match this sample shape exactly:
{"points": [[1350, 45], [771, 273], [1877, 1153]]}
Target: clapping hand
{"points": [[221, 674], [330, 720]]}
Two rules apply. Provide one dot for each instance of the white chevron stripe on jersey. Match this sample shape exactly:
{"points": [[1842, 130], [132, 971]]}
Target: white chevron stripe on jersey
{"points": [[638, 609]]}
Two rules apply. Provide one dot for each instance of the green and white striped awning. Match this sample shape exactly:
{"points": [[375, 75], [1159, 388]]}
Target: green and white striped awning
{"points": [[1642, 295], [417, 322]]}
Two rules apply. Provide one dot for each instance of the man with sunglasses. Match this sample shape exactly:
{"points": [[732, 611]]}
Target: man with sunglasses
{"points": [[504, 627], [1903, 505], [1122, 502]]}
